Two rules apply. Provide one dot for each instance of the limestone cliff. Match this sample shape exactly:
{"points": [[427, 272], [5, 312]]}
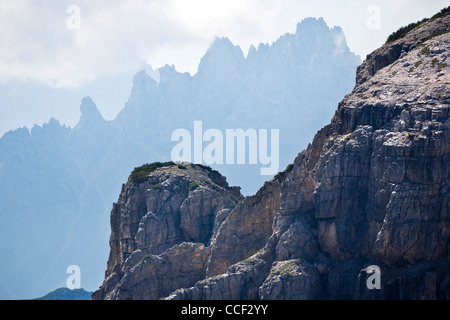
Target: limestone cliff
{"points": [[161, 227], [373, 188]]}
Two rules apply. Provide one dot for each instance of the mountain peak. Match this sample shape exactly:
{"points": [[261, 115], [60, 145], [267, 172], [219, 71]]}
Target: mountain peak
{"points": [[142, 82], [339, 40], [310, 25], [221, 53], [167, 72], [143, 78], [89, 109], [220, 43], [315, 35], [89, 113]]}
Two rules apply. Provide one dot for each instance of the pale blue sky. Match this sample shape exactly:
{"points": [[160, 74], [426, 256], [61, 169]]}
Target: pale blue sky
{"points": [[114, 36]]}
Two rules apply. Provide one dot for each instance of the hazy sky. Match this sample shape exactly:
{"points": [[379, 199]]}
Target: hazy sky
{"points": [[66, 43]]}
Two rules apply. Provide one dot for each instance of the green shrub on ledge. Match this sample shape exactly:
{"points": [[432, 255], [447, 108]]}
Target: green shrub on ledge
{"points": [[141, 173]]}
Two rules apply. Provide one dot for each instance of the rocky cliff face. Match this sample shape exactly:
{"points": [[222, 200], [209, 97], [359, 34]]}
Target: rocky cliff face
{"points": [[373, 188], [161, 228]]}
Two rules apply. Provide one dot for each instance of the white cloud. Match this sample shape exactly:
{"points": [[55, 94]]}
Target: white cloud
{"points": [[35, 42], [115, 36]]}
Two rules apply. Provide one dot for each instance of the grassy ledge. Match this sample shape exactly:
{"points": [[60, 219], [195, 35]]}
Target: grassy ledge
{"points": [[403, 31], [141, 173]]}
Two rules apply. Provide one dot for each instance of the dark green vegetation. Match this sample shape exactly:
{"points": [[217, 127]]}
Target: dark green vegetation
{"points": [[400, 33], [139, 174], [155, 186], [194, 185], [204, 167], [290, 167]]}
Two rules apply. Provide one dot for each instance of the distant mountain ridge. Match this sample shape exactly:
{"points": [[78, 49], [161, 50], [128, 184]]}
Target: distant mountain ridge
{"points": [[67, 294], [58, 183]]}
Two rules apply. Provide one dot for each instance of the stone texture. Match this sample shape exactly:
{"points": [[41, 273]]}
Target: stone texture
{"points": [[148, 277], [246, 229]]}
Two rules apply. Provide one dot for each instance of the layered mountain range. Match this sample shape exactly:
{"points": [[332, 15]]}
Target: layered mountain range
{"points": [[370, 192], [58, 183]]}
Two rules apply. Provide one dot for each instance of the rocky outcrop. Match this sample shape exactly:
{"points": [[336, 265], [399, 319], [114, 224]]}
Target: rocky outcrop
{"points": [[246, 228], [148, 277], [373, 188], [161, 224]]}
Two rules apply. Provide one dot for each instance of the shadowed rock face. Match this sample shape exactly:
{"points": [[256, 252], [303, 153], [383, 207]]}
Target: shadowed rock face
{"points": [[373, 188]]}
